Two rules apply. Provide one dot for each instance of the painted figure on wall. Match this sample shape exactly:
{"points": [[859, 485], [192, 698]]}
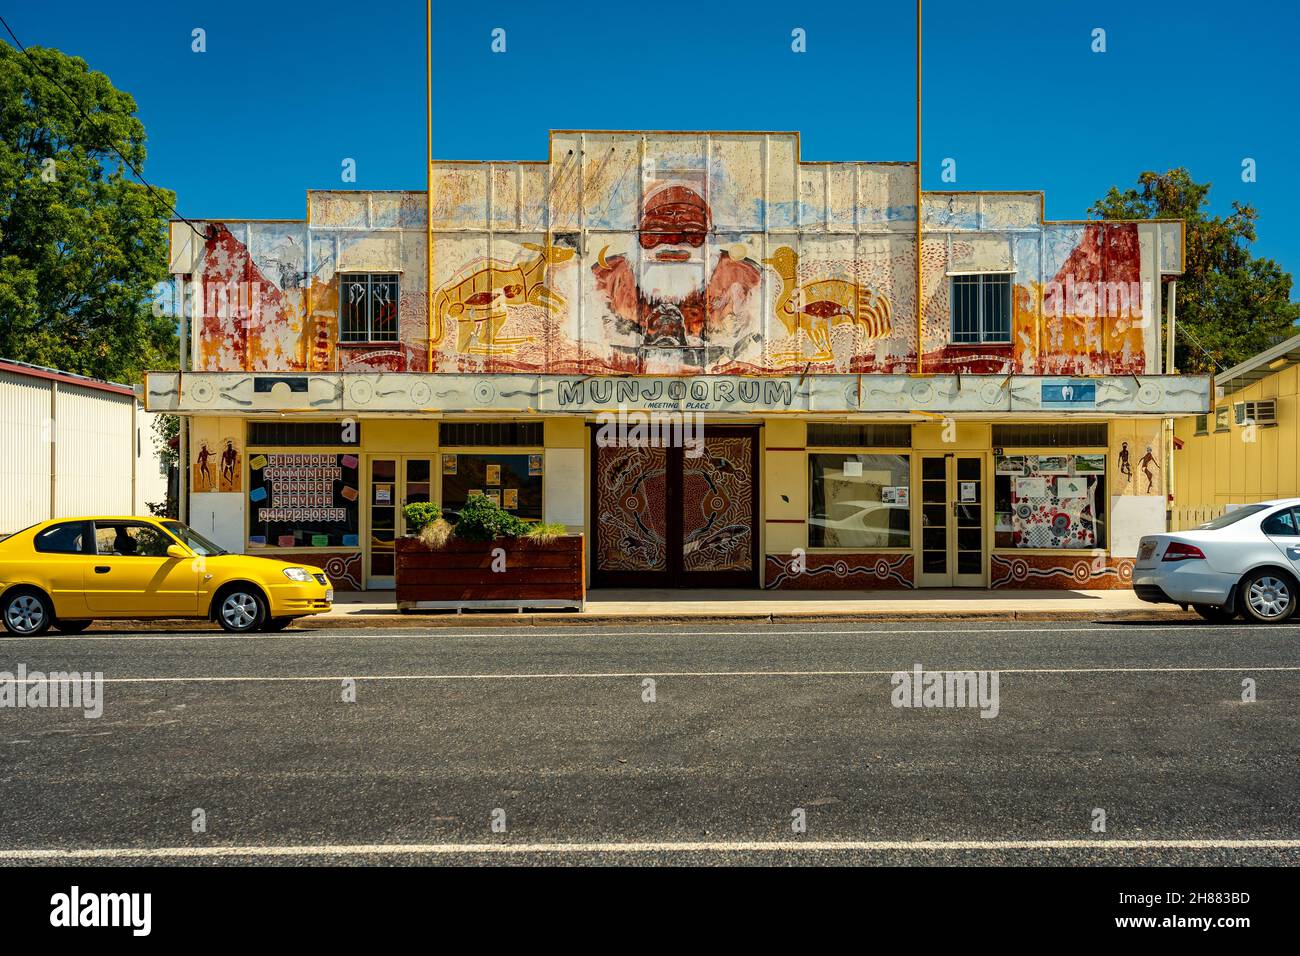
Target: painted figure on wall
{"points": [[815, 308], [672, 304], [1148, 462]]}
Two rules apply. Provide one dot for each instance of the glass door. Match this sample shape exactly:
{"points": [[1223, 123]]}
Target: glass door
{"points": [[394, 482], [382, 498], [952, 521]]}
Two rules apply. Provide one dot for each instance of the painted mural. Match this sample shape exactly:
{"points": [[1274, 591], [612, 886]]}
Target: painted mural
{"points": [[218, 466], [674, 254]]}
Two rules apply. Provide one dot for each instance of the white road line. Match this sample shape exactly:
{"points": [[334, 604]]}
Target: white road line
{"points": [[739, 846], [634, 630], [608, 675]]}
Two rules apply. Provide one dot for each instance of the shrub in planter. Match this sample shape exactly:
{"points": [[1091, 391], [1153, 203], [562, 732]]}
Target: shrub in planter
{"points": [[482, 519], [425, 519]]}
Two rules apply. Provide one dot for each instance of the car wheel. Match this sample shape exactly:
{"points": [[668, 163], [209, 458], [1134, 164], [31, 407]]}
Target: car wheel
{"points": [[278, 623], [241, 610], [72, 627], [1268, 597], [27, 612]]}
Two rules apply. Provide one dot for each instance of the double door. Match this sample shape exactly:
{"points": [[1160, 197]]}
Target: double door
{"points": [[393, 481], [953, 515], [677, 516]]}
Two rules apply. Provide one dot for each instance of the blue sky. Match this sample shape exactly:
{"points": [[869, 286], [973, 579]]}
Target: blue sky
{"points": [[1013, 92]]}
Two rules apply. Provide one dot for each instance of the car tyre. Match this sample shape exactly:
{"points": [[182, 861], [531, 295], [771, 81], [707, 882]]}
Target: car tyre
{"points": [[278, 623], [27, 612], [241, 610], [1267, 596], [72, 627]]}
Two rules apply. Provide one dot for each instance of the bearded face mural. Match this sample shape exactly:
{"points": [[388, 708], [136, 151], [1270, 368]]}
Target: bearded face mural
{"points": [[676, 299]]}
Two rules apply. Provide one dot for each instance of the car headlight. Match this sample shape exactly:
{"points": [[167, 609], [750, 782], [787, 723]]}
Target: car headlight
{"points": [[297, 574]]}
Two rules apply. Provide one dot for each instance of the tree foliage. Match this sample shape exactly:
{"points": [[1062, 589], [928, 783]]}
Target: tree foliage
{"points": [[1230, 304], [82, 245]]}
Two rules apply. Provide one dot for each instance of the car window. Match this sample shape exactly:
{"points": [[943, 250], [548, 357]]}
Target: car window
{"points": [[127, 539], [1231, 517], [195, 541], [66, 538], [1282, 523]]}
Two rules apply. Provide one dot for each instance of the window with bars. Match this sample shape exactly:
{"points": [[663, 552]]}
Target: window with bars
{"points": [[830, 435], [981, 308], [368, 307]]}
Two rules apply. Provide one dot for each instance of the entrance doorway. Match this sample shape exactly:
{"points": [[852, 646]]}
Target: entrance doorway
{"points": [[952, 521], [662, 518], [393, 481]]}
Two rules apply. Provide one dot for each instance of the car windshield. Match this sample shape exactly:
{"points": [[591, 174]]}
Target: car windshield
{"points": [[1232, 517], [193, 540]]}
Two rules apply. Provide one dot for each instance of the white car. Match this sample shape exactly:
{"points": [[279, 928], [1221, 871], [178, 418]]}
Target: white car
{"points": [[1247, 561]]}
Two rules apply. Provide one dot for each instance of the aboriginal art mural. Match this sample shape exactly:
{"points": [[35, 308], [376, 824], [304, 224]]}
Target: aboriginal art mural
{"points": [[218, 466], [839, 572], [1051, 572], [650, 253]]}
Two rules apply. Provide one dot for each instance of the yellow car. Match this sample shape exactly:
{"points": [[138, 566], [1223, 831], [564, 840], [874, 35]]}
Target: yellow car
{"points": [[65, 572]]}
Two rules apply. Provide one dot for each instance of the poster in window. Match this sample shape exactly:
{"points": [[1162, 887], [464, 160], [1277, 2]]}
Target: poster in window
{"points": [[494, 496], [1090, 464], [1053, 465], [510, 499], [534, 465], [1071, 486], [511, 471], [1012, 465], [449, 464], [302, 500]]}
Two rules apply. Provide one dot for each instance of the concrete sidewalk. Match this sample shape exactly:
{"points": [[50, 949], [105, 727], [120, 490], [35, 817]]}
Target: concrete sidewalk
{"points": [[378, 608]]}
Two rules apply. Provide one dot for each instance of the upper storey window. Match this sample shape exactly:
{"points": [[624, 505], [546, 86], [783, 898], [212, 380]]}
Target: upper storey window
{"points": [[981, 308], [368, 307]]}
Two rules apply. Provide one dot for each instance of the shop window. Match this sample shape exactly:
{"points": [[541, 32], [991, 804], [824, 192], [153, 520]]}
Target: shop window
{"points": [[1050, 501], [1223, 418], [368, 307], [1202, 424], [833, 435], [304, 434], [512, 481], [302, 500], [859, 501], [489, 434], [981, 308]]}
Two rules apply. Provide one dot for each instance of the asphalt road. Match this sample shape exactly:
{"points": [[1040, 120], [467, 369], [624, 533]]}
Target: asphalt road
{"points": [[748, 724]]}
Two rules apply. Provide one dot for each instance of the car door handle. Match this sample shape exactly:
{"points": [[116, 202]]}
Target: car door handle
{"points": [[101, 569]]}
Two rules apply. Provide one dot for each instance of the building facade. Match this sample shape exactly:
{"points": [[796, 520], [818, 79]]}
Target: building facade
{"points": [[699, 349], [77, 446], [1245, 448]]}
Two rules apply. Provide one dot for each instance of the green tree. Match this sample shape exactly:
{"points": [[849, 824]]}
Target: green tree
{"points": [[82, 245], [1231, 304]]}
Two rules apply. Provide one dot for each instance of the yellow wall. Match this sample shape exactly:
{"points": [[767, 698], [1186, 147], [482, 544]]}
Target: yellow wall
{"points": [[1239, 465]]}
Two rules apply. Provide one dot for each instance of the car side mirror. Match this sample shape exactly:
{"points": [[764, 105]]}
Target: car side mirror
{"points": [[176, 551]]}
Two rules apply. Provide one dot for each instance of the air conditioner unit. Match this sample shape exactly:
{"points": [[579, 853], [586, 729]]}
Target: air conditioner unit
{"points": [[1256, 413]]}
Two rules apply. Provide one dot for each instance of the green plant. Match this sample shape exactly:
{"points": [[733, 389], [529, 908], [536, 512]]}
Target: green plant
{"points": [[421, 513], [482, 519], [544, 532]]}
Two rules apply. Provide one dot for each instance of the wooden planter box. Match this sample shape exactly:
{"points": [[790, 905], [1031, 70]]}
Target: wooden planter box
{"points": [[460, 575]]}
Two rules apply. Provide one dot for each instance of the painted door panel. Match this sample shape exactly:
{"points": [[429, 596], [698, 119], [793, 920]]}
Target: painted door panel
{"points": [[662, 518]]}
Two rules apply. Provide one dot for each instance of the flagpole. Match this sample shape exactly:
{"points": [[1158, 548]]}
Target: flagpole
{"points": [[428, 172], [920, 307]]}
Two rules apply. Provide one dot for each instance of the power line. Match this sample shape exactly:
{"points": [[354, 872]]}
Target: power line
{"points": [[86, 116]]}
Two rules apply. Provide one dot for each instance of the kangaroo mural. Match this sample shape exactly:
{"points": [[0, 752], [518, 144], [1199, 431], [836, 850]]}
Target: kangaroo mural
{"points": [[479, 303]]}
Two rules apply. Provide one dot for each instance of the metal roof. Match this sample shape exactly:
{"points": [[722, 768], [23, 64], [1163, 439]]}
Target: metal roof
{"points": [[69, 378], [1283, 355]]}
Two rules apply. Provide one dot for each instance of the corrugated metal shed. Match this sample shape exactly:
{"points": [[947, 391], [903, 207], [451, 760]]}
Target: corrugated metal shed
{"points": [[73, 445]]}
